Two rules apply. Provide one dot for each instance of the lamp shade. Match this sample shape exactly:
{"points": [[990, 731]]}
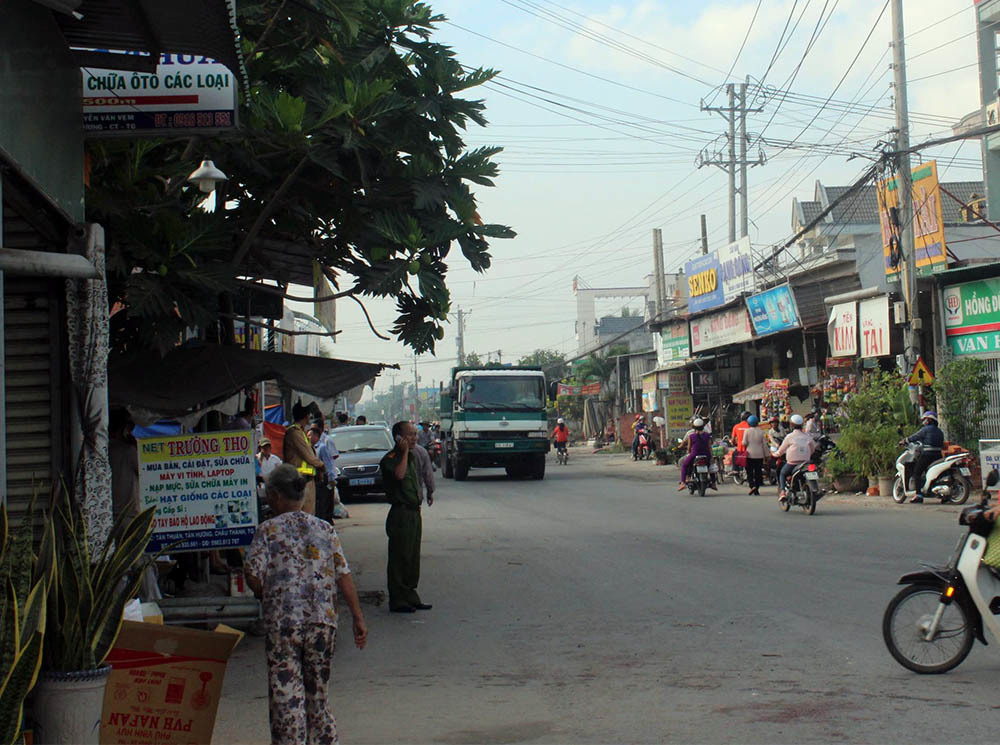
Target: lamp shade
{"points": [[206, 176]]}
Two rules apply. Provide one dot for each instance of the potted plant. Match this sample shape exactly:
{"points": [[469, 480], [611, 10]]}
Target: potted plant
{"points": [[870, 451], [842, 475], [25, 578], [84, 616]]}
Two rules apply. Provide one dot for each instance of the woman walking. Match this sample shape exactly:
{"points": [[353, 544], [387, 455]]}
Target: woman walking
{"points": [[296, 566], [755, 443]]}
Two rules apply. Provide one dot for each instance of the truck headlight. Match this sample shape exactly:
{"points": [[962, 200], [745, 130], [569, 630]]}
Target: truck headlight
{"points": [[538, 434]]}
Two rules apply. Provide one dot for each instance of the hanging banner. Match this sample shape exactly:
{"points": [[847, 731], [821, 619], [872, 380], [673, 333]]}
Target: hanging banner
{"points": [[773, 310], [569, 390], [928, 221], [842, 330], [674, 344], [730, 326], [972, 317], [590, 389], [680, 408], [203, 487], [187, 93], [704, 283], [873, 318]]}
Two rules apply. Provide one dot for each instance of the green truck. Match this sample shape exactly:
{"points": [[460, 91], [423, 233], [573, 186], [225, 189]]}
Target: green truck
{"points": [[494, 418]]}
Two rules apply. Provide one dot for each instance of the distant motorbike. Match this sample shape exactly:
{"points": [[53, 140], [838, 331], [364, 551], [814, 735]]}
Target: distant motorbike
{"points": [[562, 454], [946, 478], [645, 445], [700, 476], [434, 450], [803, 482], [931, 624]]}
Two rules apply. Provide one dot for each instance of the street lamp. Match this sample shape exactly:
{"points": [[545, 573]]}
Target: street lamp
{"points": [[207, 176]]}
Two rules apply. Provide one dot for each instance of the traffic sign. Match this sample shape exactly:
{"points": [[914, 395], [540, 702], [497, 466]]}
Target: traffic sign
{"points": [[921, 374]]}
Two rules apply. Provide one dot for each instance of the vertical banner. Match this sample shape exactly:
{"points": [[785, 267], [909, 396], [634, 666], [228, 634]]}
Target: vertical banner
{"points": [[203, 487], [873, 318], [928, 220], [842, 330]]}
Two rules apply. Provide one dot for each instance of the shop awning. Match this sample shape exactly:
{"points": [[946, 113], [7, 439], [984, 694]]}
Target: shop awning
{"points": [[193, 376], [753, 393]]}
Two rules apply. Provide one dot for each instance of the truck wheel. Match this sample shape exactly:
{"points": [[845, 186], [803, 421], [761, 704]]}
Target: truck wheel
{"points": [[447, 467], [461, 469], [538, 472]]}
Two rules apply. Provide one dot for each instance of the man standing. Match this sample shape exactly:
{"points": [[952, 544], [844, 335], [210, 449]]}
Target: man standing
{"points": [[403, 525], [425, 474], [298, 452], [268, 460], [325, 481]]}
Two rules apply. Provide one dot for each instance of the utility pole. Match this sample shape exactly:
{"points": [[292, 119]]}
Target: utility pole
{"points": [[416, 391], [460, 339], [729, 162], [704, 236], [661, 291], [904, 181]]}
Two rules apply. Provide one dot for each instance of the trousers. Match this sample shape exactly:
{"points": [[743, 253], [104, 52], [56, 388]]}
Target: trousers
{"points": [[404, 527], [755, 478], [299, 660]]}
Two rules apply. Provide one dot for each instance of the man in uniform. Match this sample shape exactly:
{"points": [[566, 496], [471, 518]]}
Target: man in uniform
{"points": [[299, 452], [403, 525]]}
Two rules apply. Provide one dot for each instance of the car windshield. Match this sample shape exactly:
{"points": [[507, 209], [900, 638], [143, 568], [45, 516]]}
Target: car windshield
{"points": [[362, 440], [502, 393]]}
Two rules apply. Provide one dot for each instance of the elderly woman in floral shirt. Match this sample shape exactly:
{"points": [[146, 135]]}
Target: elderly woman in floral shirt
{"points": [[296, 565]]}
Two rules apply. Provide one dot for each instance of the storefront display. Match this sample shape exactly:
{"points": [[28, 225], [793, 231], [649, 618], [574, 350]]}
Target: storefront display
{"points": [[775, 401]]}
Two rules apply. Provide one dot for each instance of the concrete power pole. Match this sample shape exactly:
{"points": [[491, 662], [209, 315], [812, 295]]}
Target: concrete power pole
{"points": [[730, 161], [460, 339], [905, 183], [416, 391], [661, 290], [704, 236]]}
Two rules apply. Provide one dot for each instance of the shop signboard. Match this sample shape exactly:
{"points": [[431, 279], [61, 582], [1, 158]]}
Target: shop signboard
{"points": [[704, 283], [843, 330], [989, 457], [731, 326], [187, 92], [704, 382], [569, 390], [680, 408], [674, 344], [773, 310], [873, 318], [590, 389], [736, 266], [650, 394], [972, 317], [677, 382], [928, 221], [203, 487]]}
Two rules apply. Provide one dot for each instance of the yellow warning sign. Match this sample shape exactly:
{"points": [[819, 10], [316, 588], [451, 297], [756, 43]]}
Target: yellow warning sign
{"points": [[921, 374]]}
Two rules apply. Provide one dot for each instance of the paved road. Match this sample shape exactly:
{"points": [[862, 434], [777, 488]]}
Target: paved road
{"points": [[601, 605]]}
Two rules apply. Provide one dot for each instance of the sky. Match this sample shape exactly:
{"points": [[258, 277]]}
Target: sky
{"points": [[598, 109]]}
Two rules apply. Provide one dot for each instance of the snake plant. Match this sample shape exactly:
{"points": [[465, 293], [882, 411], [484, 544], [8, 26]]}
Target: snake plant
{"points": [[25, 580], [86, 601]]}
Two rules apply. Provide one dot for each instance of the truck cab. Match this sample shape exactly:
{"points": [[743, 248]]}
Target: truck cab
{"points": [[495, 418]]}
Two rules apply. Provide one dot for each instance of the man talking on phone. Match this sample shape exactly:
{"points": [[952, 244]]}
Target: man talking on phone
{"points": [[403, 525]]}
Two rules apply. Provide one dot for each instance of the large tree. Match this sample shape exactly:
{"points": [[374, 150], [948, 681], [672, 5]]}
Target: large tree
{"points": [[349, 152]]}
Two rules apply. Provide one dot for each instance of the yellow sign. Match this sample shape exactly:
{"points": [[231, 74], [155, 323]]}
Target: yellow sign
{"points": [[927, 220], [703, 283], [921, 374]]}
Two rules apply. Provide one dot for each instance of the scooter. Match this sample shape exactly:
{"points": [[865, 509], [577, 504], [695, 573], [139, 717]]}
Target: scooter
{"points": [[932, 623], [946, 478], [562, 455], [644, 449], [803, 482], [434, 450], [701, 474]]}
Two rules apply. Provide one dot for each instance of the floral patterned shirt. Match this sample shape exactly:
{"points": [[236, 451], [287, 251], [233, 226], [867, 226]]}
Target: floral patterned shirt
{"points": [[298, 559]]}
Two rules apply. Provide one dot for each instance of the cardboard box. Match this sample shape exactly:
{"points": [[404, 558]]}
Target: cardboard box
{"points": [[151, 613], [165, 685]]}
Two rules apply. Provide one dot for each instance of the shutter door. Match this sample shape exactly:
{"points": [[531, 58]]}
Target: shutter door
{"points": [[31, 338]]}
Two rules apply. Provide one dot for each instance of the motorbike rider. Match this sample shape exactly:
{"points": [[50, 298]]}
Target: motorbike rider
{"points": [[698, 442], [560, 434], [776, 433], [638, 427], [736, 436], [932, 438], [797, 447], [813, 427]]}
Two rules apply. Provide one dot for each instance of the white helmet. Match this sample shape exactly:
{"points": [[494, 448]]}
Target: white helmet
{"points": [[560, 420], [698, 423], [796, 420]]}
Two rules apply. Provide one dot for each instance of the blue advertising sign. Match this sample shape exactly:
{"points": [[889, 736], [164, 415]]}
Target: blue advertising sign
{"points": [[704, 277], [773, 310]]}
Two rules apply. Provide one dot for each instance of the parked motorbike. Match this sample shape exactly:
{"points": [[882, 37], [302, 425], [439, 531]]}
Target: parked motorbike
{"points": [[645, 445], [701, 474], [931, 624], [946, 478]]}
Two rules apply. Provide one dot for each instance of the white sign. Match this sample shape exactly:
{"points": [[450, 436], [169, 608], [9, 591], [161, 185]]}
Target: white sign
{"points": [[843, 330], [736, 269], [873, 317], [989, 459], [187, 92], [730, 326]]}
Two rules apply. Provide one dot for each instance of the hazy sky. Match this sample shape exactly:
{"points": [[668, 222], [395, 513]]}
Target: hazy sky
{"points": [[591, 166]]}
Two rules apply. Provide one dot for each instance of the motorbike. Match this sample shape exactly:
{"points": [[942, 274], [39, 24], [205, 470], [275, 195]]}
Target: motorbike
{"points": [[434, 450], [803, 482], [562, 455], [701, 474], [645, 445], [772, 467], [931, 624], [946, 478]]}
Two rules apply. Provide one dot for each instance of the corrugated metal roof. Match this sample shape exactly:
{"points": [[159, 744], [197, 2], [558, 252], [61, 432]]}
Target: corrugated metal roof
{"points": [[809, 294], [618, 324]]}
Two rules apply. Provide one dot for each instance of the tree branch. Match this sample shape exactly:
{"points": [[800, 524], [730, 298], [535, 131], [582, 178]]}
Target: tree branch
{"points": [[270, 290], [368, 318], [268, 210]]}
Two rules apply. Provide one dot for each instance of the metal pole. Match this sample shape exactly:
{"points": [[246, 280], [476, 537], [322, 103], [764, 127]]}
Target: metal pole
{"points": [[905, 184], [732, 162], [744, 217], [704, 236]]}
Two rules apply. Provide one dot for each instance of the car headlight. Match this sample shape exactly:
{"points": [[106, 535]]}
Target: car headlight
{"points": [[465, 435], [538, 434]]}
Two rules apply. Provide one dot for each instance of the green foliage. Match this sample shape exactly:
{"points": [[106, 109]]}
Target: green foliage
{"points": [[961, 392], [554, 363], [25, 578], [875, 419], [473, 360], [350, 151], [86, 602], [594, 367], [570, 407]]}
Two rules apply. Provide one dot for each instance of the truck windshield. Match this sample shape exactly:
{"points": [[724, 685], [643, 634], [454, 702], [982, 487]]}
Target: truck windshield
{"points": [[502, 393]]}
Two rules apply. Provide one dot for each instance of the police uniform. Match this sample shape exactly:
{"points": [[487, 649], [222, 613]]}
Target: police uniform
{"points": [[403, 526], [299, 452]]}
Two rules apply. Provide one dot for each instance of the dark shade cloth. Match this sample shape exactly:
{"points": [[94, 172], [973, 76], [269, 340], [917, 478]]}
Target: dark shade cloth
{"points": [[198, 374]]}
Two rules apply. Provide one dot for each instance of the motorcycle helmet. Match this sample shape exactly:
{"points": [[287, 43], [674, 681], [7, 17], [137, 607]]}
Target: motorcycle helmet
{"points": [[698, 423], [638, 417], [560, 420], [753, 421], [929, 415], [796, 420]]}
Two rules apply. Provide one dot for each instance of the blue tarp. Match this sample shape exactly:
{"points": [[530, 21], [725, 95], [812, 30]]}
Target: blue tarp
{"points": [[274, 414], [162, 428]]}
